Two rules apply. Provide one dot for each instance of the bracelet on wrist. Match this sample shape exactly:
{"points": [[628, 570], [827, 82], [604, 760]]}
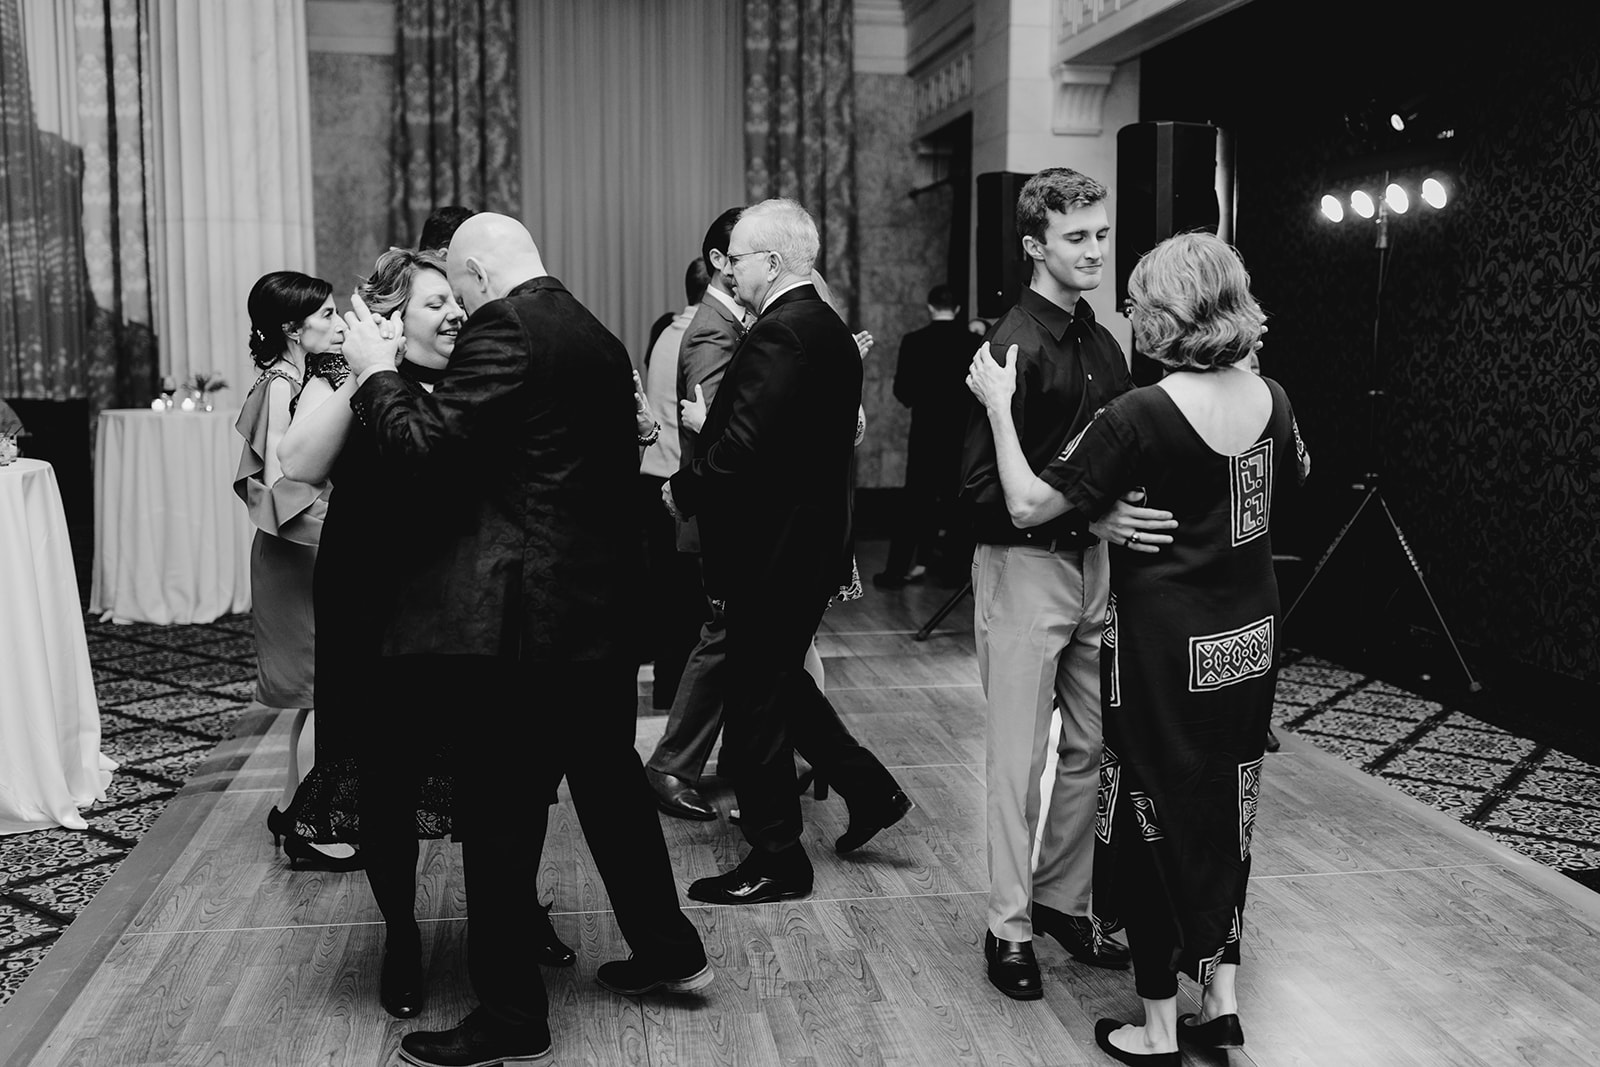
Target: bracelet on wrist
{"points": [[648, 439]]}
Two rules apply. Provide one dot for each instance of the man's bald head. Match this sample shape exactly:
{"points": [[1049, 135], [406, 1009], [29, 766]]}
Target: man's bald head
{"points": [[489, 256]]}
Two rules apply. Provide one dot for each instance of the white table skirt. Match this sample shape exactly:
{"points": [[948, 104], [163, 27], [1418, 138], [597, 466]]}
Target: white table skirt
{"points": [[50, 761], [171, 540]]}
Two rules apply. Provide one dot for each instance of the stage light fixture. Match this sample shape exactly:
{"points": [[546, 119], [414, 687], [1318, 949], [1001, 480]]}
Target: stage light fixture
{"points": [[1332, 208], [1395, 196], [1361, 203], [1434, 193]]}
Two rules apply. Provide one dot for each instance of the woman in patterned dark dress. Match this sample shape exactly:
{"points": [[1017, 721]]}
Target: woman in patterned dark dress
{"points": [[1188, 661]]}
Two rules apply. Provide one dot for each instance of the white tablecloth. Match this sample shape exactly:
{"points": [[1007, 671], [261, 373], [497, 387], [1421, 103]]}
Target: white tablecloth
{"points": [[50, 761], [171, 540]]}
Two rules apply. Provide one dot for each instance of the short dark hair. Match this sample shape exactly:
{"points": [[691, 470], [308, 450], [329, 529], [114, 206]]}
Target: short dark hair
{"points": [[943, 297], [1057, 189], [441, 226], [695, 280], [720, 233], [278, 303]]}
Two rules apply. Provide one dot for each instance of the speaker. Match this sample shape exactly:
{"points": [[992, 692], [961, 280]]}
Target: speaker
{"points": [[1003, 270], [1172, 177]]}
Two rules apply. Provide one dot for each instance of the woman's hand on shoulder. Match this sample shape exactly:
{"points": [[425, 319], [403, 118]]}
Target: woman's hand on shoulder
{"points": [[993, 383]]}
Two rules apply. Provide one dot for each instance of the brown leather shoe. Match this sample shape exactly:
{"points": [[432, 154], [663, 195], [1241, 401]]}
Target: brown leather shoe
{"points": [[678, 798]]}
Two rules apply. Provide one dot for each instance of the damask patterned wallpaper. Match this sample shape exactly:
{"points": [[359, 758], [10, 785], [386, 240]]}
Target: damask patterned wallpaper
{"points": [[1488, 345]]}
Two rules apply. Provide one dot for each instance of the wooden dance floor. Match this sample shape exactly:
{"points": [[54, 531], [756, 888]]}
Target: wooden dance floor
{"points": [[1378, 932]]}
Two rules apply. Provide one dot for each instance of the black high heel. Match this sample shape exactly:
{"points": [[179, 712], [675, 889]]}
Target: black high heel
{"points": [[808, 778], [401, 988], [553, 952], [302, 856]]}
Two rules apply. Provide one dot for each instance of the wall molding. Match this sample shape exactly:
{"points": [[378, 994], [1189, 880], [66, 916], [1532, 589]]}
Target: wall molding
{"points": [[1080, 98]]}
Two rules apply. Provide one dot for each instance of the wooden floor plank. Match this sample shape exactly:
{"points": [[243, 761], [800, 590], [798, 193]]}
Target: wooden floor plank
{"points": [[1378, 931]]}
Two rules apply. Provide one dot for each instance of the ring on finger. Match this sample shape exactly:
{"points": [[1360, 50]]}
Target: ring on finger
{"points": [[1133, 538]]}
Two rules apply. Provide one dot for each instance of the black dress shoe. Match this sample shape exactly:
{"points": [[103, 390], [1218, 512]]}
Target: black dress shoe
{"points": [[747, 885], [634, 977], [678, 798], [1222, 1032], [401, 990], [1012, 967], [885, 580], [553, 952], [1076, 934], [862, 829], [478, 1041], [1104, 1028]]}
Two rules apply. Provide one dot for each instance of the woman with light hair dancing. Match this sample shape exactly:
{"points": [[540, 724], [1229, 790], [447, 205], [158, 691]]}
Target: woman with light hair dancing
{"points": [[1188, 662]]}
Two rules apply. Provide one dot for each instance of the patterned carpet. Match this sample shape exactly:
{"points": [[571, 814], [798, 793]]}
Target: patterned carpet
{"points": [[168, 695]]}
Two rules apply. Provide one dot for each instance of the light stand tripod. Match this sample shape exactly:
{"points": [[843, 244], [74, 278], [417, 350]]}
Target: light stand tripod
{"points": [[1370, 480]]}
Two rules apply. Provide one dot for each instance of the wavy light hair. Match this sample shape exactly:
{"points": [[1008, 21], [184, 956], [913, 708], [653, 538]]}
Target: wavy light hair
{"points": [[784, 227], [389, 285], [1192, 308]]}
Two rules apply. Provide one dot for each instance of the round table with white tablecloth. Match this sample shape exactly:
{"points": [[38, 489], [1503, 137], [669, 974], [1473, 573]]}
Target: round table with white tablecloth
{"points": [[171, 540], [50, 761]]}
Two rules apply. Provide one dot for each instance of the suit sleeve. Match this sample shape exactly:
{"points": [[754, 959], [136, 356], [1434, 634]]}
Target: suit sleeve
{"points": [[763, 387], [702, 359], [417, 432], [905, 375]]}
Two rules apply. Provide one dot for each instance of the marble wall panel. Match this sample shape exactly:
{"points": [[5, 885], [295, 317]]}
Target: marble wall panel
{"points": [[352, 101]]}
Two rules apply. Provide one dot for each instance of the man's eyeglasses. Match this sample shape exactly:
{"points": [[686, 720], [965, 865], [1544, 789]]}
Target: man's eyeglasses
{"points": [[735, 257]]}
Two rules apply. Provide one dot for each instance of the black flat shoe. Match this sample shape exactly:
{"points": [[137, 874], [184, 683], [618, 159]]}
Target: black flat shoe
{"points": [[1222, 1032], [1012, 967], [553, 952], [865, 828], [1103, 1030], [1076, 934], [303, 857], [400, 987]]}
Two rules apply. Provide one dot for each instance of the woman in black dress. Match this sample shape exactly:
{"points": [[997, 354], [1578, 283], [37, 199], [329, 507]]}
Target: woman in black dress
{"points": [[1187, 663]]}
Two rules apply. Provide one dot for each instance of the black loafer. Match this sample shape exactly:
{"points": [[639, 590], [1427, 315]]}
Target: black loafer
{"points": [[744, 885], [478, 1041], [1104, 1028], [1012, 967], [1222, 1032], [865, 828], [1076, 934], [678, 798]]}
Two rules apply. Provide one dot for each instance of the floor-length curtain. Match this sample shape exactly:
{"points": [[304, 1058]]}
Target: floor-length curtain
{"points": [[632, 145], [232, 183], [800, 120], [43, 299], [455, 117], [112, 109]]}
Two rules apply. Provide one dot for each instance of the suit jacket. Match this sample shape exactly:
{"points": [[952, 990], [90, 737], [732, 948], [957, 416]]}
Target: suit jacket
{"points": [[771, 473], [708, 345], [930, 379], [534, 425]]}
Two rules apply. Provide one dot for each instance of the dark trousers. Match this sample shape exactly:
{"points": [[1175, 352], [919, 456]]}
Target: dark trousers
{"points": [[575, 720], [772, 709], [1153, 939], [696, 717], [677, 603]]}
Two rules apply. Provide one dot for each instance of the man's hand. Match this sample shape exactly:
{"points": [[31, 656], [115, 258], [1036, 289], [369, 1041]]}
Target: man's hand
{"points": [[370, 341], [646, 422], [666, 498], [692, 413], [991, 383], [1134, 527]]}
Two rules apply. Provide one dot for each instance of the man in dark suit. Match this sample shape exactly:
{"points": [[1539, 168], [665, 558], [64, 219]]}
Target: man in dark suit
{"points": [[770, 482], [529, 596], [708, 344], [930, 379]]}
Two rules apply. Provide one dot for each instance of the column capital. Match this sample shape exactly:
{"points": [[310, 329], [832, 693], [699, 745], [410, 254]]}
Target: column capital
{"points": [[1080, 97]]}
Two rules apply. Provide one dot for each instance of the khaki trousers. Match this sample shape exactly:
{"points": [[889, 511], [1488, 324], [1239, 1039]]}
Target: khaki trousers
{"points": [[1038, 615]]}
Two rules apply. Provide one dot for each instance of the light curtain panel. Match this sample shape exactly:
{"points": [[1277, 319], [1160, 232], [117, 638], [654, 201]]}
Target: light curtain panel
{"points": [[633, 142]]}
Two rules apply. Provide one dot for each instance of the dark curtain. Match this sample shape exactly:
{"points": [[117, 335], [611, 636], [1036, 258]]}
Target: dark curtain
{"points": [[800, 112], [455, 121]]}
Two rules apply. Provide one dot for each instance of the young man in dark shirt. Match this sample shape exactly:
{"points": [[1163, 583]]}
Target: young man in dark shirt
{"points": [[1040, 594]]}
